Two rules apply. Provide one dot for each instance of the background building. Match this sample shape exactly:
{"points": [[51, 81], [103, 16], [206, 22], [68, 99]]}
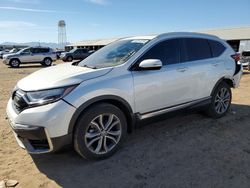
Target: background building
{"points": [[238, 38], [90, 44]]}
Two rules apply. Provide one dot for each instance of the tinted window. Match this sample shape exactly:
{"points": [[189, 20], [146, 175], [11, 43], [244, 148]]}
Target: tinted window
{"points": [[84, 50], [26, 50], [216, 47], [44, 50], [77, 51], [167, 51], [35, 50], [196, 49]]}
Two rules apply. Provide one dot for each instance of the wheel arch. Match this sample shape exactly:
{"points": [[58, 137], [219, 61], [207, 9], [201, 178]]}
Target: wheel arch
{"points": [[48, 58], [14, 58], [111, 99], [229, 81]]}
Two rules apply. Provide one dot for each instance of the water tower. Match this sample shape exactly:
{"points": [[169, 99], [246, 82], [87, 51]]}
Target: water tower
{"points": [[62, 39]]}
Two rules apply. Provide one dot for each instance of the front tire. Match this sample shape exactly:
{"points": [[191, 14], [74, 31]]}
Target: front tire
{"points": [[100, 131], [70, 58], [14, 63], [221, 101]]}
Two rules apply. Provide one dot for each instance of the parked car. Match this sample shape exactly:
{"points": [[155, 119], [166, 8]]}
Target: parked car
{"points": [[94, 104], [58, 53], [75, 54], [43, 55], [12, 51], [3, 52], [245, 59]]}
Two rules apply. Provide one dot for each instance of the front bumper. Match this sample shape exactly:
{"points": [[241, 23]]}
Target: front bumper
{"points": [[6, 61], [42, 129], [63, 58]]}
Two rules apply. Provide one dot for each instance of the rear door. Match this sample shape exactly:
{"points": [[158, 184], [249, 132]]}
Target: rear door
{"points": [[35, 55], [169, 86], [203, 69]]}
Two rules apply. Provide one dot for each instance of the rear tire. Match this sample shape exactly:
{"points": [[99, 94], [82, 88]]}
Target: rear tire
{"points": [[221, 101], [14, 63], [47, 62], [100, 131]]}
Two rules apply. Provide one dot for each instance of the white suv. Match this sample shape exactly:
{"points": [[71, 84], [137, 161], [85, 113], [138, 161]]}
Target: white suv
{"points": [[43, 55], [94, 104]]}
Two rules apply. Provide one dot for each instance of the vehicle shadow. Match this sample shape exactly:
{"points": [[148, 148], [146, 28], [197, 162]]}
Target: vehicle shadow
{"points": [[180, 151]]}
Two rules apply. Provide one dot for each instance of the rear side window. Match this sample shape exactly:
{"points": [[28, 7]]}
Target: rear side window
{"points": [[216, 47], [167, 51], [195, 49], [84, 50]]}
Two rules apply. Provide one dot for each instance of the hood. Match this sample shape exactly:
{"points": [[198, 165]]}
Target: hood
{"points": [[65, 53], [59, 76], [10, 55]]}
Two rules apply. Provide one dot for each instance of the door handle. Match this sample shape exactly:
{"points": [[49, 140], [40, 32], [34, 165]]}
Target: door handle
{"points": [[215, 64], [182, 69]]}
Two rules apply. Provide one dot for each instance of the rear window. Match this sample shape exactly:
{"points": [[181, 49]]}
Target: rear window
{"points": [[196, 49], [246, 53], [216, 47]]}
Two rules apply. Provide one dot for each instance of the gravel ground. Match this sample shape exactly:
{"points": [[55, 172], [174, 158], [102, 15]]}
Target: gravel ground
{"points": [[188, 150]]}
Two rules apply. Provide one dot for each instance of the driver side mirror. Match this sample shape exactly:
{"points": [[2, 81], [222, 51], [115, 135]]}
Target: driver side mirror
{"points": [[150, 64]]}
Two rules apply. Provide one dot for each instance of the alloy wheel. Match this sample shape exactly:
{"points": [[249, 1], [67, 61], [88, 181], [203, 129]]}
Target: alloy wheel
{"points": [[15, 63], [222, 101], [103, 133], [47, 61]]}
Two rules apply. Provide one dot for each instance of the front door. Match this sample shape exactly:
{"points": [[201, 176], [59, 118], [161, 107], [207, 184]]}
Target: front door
{"points": [[169, 86]]}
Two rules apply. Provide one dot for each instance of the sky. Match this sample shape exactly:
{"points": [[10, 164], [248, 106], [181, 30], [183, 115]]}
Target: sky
{"points": [[36, 20]]}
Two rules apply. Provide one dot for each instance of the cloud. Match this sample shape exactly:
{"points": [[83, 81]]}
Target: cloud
{"points": [[99, 2], [16, 24], [34, 10]]}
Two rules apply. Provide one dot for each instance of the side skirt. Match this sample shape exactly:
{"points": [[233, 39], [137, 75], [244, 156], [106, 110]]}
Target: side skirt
{"points": [[190, 105]]}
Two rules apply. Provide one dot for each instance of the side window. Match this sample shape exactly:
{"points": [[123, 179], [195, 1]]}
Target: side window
{"points": [[77, 51], [167, 51], [84, 50], [216, 47], [35, 50], [26, 51], [195, 49], [44, 50]]}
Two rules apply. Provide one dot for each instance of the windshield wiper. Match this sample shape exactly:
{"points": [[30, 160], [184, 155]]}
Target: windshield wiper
{"points": [[91, 67]]}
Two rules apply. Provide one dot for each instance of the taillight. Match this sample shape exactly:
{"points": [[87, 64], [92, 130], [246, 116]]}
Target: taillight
{"points": [[236, 57]]}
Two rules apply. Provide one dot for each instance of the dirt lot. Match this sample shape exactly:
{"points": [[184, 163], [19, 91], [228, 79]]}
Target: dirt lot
{"points": [[184, 151]]}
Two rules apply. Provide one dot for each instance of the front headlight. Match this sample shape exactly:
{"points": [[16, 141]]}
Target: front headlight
{"points": [[34, 98]]}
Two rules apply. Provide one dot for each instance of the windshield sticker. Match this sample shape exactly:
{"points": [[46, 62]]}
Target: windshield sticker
{"points": [[143, 41]]}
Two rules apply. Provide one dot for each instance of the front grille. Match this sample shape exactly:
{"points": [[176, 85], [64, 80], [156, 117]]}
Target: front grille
{"points": [[18, 101]]}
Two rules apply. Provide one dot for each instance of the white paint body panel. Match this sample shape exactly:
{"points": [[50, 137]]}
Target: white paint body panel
{"points": [[144, 91]]}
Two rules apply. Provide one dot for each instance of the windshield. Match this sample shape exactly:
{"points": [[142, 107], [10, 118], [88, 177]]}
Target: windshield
{"points": [[13, 50], [113, 54]]}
